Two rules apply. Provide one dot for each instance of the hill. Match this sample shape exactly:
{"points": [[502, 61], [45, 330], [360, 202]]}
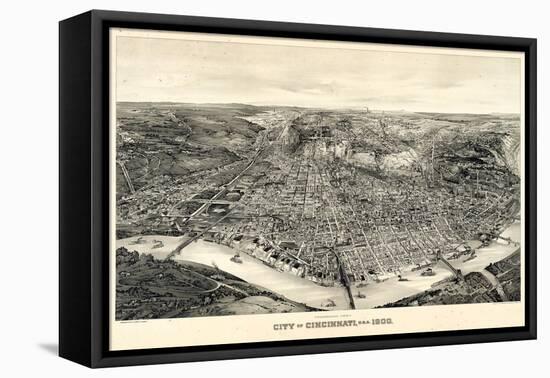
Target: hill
{"points": [[148, 288]]}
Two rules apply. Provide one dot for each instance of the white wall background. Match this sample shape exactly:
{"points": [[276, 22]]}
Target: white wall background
{"points": [[29, 189]]}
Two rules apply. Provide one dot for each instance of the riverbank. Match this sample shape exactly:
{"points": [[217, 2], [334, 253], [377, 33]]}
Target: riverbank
{"points": [[304, 291], [251, 270], [392, 290]]}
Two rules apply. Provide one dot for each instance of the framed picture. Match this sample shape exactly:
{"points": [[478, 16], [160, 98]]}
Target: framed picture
{"points": [[234, 188]]}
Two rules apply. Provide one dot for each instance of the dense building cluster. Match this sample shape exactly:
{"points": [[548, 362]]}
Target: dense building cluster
{"points": [[335, 197]]}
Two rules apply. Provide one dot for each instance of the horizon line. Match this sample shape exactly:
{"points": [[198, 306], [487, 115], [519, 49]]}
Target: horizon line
{"points": [[312, 107]]}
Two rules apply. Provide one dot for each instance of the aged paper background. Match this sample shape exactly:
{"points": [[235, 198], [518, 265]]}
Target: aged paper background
{"points": [[252, 328]]}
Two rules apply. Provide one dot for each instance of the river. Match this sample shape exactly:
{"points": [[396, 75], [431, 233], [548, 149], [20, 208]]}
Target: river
{"points": [[304, 291], [251, 270]]}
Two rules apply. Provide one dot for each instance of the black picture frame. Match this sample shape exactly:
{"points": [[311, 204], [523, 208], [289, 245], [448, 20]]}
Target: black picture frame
{"points": [[84, 187]]}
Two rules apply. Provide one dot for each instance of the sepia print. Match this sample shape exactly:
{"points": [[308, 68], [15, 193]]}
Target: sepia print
{"points": [[266, 176]]}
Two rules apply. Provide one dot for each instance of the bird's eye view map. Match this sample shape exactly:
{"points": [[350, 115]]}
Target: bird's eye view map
{"points": [[341, 195]]}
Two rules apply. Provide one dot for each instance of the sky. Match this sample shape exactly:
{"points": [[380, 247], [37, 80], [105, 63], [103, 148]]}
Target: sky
{"points": [[199, 71]]}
